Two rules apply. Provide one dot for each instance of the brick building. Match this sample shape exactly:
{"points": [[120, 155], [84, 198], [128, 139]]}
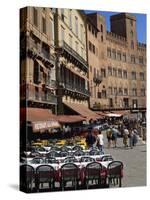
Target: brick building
{"points": [[117, 63]]}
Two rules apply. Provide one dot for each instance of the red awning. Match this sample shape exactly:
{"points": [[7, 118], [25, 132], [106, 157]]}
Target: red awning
{"points": [[102, 114], [83, 111], [70, 118], [121, 112], [41, 119]]}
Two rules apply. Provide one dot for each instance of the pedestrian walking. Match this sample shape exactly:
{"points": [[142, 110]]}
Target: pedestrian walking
{"points": [[90, 140], [109, 137], [131, 136], [100, 141], [114, 136], [125, 137], [135, 137]]}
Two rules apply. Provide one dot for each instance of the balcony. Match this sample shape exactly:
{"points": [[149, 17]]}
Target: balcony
{"points": [[76, 89], [50, 83], [74, 54], [47, 98], [35, 50], [97, 80]]}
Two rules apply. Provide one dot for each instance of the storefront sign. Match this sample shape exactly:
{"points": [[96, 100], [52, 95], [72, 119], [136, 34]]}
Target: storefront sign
{"points": [[45, 125]]}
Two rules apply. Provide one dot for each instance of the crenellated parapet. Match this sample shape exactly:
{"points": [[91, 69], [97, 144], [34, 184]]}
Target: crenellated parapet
{"points": [[116, 38]]}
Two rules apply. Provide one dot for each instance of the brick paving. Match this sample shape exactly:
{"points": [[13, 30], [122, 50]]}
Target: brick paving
{"points": [[134, 161]]}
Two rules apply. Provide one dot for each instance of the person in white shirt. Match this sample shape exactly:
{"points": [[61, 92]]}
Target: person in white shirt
{"points": [[100, 141], [125, 137]]}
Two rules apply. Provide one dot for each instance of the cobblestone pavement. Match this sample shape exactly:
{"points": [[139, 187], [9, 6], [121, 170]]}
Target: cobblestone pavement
{"points": [[134, 161]]}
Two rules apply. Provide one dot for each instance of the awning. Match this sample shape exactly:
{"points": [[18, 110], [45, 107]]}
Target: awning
{"points": [[41, 119], [102, 114], [83, 111], [113, 113], [121, 112], [70, 118]]}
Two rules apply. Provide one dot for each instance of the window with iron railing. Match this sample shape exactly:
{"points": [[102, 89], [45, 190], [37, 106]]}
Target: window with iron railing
{"points": [[109, 71], [119, 73], [120, 91], [62, 14], [114, 54], [142, 92], [81, 32], [119, 55], [125, 91], [62, 33], [132, 59], [115, 90], [110, 91], [134, 92], [52, 29], [108, 52], [70, 18], [44, 25], [142, 78], [124, 58], [35, 16], [133, 75], [76, 25], [115, 72], [125, 74], [103, 94], [141, 60], [103, 73]]}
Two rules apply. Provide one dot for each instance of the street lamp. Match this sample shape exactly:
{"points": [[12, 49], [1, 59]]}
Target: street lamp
{"points": [[59, 89]]}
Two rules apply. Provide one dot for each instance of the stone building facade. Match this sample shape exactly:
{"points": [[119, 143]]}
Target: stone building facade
{"points": [[68, 58], [118, 60], [70, 46], [37, 60]]}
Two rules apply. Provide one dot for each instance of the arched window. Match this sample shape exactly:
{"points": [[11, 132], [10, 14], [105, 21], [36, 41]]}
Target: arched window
{"points": [[101, 38]]}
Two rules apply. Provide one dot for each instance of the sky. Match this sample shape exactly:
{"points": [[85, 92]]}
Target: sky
{"points": [[141, 23]]}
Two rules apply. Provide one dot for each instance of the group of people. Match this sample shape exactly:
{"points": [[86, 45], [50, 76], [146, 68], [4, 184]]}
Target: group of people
{"points": [[112, 134], [130, 137], [95, 139]]}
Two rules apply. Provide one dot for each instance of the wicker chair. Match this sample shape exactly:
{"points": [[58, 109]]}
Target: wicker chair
{"points": [[69, 173], [93, 174], [45, 174], [79, 153], [107, 158], [27, 178], [114, 173]]}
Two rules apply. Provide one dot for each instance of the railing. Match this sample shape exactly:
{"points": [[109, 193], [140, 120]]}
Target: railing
{"points": [[97, 79], [37, 48], [73, 53], [50, 83], [76, 89], [115, 107], [48, 98], [45, 54]]}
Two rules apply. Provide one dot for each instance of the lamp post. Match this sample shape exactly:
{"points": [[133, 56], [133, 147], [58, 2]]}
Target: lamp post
{"points": [[59, 89]]}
